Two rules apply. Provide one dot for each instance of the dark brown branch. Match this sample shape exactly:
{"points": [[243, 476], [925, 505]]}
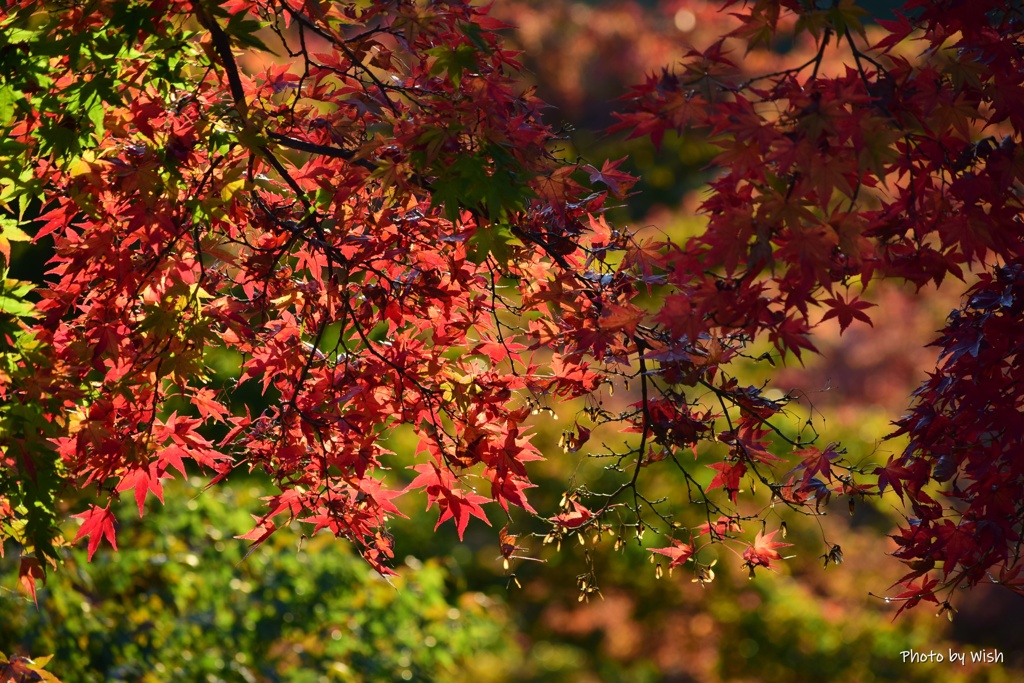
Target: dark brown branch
{"points": [[322, 150], [222, 44]]}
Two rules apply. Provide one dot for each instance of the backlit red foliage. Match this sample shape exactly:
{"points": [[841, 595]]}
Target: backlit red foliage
{"points": [[377, 221]]}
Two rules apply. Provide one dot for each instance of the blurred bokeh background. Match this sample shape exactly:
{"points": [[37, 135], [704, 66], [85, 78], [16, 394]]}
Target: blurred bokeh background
{"points": [[182, 601]]}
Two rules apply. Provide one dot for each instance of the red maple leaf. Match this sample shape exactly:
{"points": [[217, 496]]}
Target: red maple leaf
{"points": [[380, 496], [575, 518], [618, 182], [264, 528], [509, 488], [792, 335], [815, 461], [846, 311], [762, 552], [916, 592], [958, 544], [893, 474], [458, 505], [453, 502], [144, 480], [616, 317], [728, 477], [209, 408], [679, 552], [720, 528], [98, 523], [31, 571]]}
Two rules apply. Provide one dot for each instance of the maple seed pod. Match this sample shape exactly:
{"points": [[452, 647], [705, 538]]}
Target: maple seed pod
{"points": [[852, 506], [658, 571], [582, 540], [505, 563], [784, 529], [618, 544]]}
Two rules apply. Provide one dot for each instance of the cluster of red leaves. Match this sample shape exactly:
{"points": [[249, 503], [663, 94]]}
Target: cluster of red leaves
{"points": [[887, 167], [342, 223], [966, 434]]}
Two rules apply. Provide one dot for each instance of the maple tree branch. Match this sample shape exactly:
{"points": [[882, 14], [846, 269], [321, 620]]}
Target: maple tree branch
{"points": [[313, 350], [645, 408], [722, 394], [820, 56], [222, 44], [543, 244], [322, 150]]}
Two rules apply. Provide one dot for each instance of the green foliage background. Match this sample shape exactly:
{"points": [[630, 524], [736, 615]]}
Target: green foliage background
{"points": [[181, 601]]}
